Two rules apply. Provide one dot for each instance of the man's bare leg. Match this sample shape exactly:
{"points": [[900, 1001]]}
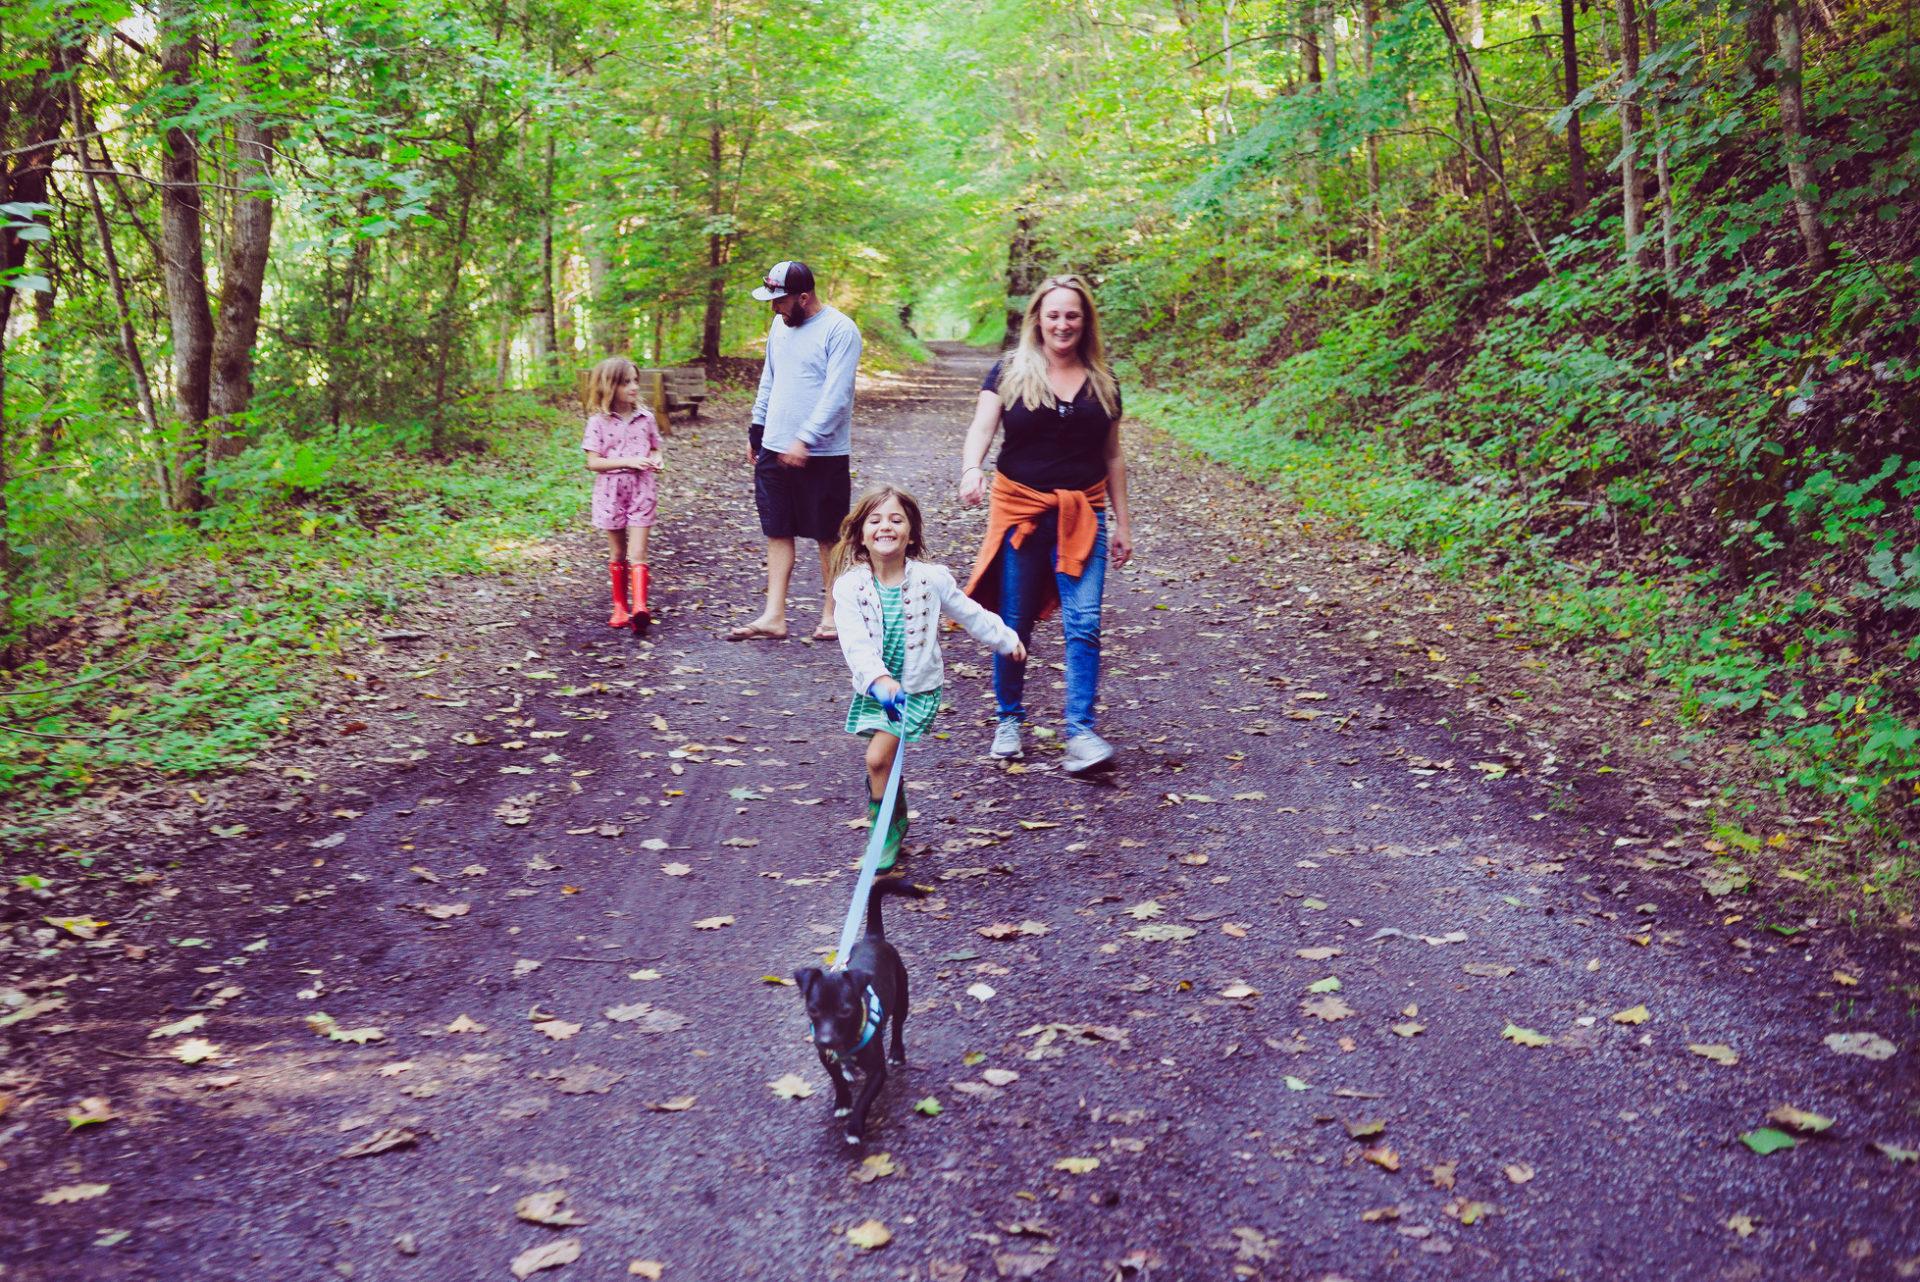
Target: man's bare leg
{"points": [[773, 619], [826, 632]]}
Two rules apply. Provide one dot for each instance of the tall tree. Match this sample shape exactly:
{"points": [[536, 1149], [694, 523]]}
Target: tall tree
{"points": [[1793, 131]]}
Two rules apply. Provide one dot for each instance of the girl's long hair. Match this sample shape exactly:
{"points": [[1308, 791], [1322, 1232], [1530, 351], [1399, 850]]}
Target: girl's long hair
{"points": [[850, 548], [1023, 376], [596, 389]]}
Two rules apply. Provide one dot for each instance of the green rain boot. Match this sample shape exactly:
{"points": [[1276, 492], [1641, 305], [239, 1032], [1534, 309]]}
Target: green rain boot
{"points": [[896, 831]]}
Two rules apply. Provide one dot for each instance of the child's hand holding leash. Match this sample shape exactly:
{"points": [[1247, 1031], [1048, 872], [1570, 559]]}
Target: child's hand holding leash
{"points": [[889, 694]]}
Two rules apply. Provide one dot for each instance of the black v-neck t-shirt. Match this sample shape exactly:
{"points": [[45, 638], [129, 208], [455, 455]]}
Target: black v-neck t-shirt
{"points": [[1063, 448]]}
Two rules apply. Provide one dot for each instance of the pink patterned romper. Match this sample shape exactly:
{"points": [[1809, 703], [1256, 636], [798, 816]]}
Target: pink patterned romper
{"points": [[621, 499]]}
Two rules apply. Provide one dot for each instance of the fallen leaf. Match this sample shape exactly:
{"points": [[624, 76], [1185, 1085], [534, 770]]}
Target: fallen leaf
{"points": [[585, 1079], [550, 1256], [869, 1235], [1077, 1165], [326, 1026], [1767, 1140], [558, 1029], [1235, 992], [1146, 910], [1408, 1029], [1895, 1153], [94, 1110], [1000, 1076], [444, 912], [1443, 1174], [1632, 1015], [1365, 1129], [71, 1193], [791, 1086], [676, 870], [1865, 1045], [465, 1024], [195, 1050], [1162, 931], [178, 1027], [1379, 1214], [928, 1107], [1518, 1172], [1331, 984], [1487, 970], [1799, 1119], [1011, 930], [1329, 1008], [875, 1166], [712, 923], [1383, 1157], [381, 1141], [1525, 1036], [980, 992], [652, 1270], [647, 1018], [545, 1208], [1714, 1051], [1317, 954], [1741, 1224], [678, 1104]]}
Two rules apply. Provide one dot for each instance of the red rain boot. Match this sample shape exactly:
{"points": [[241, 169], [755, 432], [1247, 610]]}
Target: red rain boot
{"points": [[642, 614], [620, 617]]}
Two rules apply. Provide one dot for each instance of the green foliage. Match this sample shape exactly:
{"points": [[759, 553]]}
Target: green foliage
{"points": [[313, 543]]}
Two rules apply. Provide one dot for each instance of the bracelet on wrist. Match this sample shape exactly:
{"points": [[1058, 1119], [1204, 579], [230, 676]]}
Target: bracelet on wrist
{"points": [[965, 470]]}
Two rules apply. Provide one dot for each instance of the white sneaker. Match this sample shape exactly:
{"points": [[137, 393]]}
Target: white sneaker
{"points": [[1087, 752], [1006, 740]]}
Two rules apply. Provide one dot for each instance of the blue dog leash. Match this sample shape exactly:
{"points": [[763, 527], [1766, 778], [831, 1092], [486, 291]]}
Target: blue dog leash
{"points": [[876, 841]]}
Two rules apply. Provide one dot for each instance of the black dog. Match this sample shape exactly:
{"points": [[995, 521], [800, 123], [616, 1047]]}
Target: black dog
{"points": [[850, 1009]]}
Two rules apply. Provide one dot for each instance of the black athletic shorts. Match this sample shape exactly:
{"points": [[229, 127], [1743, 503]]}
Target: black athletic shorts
{"points": [[802, 502]]}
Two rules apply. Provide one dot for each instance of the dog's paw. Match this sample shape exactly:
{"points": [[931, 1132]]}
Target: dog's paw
{"points": [[842, 1112], [851, 1139], [897, 1061]]}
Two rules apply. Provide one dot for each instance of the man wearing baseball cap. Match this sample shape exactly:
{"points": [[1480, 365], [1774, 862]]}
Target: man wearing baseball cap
{"points": [[801, 439]]}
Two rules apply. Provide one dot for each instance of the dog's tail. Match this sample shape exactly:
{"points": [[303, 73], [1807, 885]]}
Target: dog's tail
{"points": [[881, 889]]}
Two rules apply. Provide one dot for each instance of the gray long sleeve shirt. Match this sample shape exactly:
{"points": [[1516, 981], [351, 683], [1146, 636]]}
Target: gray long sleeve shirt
{"points": [[806, 386]]}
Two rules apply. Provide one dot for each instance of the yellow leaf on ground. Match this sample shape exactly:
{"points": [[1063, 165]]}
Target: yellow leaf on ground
{"points": [[71, 1193], [791, 1086], [1632, 1015], [550, 1256], [869, 1235], [1714, 1051], [712, 923], [1077, 1165]]}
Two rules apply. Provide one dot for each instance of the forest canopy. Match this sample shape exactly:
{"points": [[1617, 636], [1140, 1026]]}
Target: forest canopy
{"points": [[1610, 303]]}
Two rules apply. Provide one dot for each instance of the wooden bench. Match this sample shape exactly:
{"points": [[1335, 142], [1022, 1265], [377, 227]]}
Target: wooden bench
{"points": [[673, 390]]}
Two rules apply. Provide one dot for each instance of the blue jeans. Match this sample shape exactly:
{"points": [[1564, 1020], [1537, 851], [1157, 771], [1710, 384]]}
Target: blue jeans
{"points": [[1023, 574]]}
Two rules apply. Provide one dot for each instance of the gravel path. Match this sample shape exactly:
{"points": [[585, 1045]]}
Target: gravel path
{"points": [[1330, 979]]}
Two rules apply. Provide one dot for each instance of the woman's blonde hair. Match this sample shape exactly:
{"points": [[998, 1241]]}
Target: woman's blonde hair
{"points": [[596, 390], [1023, 378], [852, 548]]}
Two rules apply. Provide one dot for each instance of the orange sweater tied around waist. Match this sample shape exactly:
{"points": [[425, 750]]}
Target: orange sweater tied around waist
{"points": [[1016, 507]]}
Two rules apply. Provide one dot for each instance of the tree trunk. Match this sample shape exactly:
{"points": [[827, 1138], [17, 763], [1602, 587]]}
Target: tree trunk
{"points": [[129, 342], [1476, 24], [1023, 272], [26, 162], [1633, 197], [244, 271], [1570, 67], [549, 349], [1376, 226], [1669, 255], [189, 314], [1793, 129], [603, 328], [446, 330], [710, 328]]}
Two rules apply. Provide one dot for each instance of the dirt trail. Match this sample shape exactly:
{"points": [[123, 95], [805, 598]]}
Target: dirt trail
{"points": [[1282, 792]]}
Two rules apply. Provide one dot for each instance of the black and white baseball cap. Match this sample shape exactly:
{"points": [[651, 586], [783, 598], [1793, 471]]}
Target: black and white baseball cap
{"points": [[783, 279]]}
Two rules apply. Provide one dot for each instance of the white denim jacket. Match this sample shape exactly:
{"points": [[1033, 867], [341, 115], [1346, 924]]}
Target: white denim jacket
{"points": [[930, 591]]}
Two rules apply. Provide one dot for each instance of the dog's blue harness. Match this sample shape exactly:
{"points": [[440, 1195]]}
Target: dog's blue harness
{"points": [[868, 1027]]}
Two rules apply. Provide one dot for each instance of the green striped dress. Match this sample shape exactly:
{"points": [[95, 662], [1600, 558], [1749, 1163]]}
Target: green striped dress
{"points": [[865, 715]]}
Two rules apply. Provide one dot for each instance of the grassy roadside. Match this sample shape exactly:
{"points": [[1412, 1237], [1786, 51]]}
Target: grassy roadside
{"points": [[215, 647], [1775, 739]]}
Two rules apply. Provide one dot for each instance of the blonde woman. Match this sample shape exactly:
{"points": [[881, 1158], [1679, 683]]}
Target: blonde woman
{"points": [[1057, 508]]}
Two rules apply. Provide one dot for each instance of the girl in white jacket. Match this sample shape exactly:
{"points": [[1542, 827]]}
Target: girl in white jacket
{"points": [[887, 609]]}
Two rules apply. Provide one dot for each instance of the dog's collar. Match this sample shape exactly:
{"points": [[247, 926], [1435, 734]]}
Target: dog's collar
{"points": [[868, 1026]]}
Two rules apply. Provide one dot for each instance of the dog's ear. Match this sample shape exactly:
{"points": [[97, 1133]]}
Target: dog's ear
{"points": [[806, 977], [857, 981]]}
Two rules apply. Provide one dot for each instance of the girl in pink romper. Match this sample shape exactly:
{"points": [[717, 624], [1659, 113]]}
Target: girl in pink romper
{"points": [[623, 452]]}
